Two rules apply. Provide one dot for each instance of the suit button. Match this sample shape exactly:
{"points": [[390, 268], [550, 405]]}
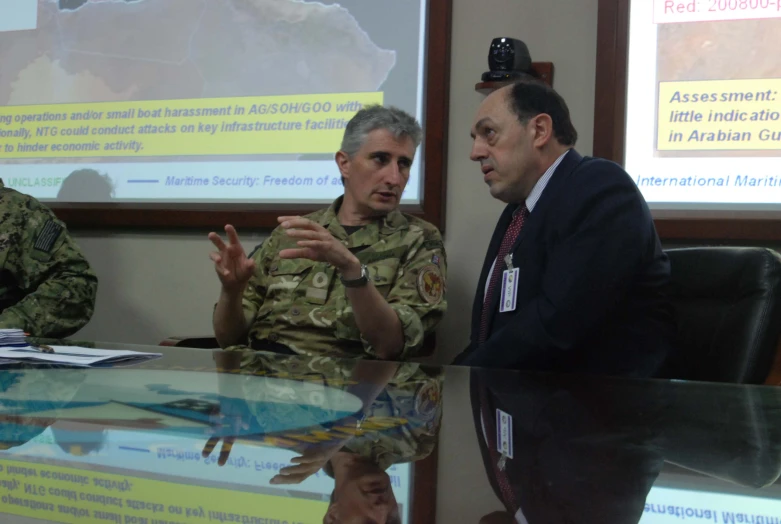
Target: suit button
{"points": [[273, 337], [295, 312]]}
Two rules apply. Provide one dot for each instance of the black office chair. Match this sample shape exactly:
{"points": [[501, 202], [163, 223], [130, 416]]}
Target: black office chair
{"points": [[730, 434], [728, 305]]}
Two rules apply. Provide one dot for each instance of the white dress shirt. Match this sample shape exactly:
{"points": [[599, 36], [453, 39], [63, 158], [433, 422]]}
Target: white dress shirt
{"points": [[531, 201]]}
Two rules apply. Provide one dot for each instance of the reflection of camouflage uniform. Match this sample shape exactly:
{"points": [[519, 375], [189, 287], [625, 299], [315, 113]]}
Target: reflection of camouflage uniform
{"points": [[46, 285], [302, 304], [415, 396], [409, 407]]}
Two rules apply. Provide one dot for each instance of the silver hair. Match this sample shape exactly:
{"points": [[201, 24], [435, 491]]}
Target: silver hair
{"points": [[373, 117]]}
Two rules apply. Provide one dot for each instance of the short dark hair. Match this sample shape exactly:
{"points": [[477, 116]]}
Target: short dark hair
{"points": [[529, 98]]}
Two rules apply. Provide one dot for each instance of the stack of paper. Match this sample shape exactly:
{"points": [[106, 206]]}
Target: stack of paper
{"points": [[12, 338], [73, 356]]}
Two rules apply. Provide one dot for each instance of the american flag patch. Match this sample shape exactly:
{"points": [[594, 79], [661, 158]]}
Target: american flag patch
{"points": [[48, 236]]}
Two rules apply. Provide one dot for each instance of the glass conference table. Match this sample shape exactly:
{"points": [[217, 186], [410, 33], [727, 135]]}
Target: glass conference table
{"points": [[201, 436]]}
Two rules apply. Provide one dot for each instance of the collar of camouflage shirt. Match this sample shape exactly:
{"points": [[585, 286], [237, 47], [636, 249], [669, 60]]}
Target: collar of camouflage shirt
{"points": [[370, 234]]}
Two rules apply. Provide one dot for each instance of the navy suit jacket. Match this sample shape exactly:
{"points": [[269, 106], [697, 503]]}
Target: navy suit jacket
{"points": [[591, 288]]}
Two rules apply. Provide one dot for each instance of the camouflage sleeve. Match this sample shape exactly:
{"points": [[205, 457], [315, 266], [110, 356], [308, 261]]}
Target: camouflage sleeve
{"points": [[418, 295], [55, 277], [256, 288]]}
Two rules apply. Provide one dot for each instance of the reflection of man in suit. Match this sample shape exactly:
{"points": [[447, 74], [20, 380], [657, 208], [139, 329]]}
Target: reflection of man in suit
{"points": [[582, 453], [588, 450], [588, 294]]}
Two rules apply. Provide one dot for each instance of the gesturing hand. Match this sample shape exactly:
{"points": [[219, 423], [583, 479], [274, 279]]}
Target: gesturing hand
{"points": [[310, 462], [316, 243], [222, 418], [231, 262]]}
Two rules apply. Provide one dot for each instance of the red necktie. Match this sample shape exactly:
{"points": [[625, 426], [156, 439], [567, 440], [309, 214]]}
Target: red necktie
{"points": [[508, 497], [513, 230]]}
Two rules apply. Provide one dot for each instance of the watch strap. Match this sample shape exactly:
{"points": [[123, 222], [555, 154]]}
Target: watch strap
{"points": [[357, 282]]}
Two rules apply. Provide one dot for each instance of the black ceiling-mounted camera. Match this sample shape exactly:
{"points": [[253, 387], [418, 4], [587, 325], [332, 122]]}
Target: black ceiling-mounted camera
{"points": [[508, 58]]}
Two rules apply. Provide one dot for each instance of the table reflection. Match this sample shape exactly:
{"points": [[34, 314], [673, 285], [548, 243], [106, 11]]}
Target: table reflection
{"points": [[592, 449], [243, 436], [253, 438]]}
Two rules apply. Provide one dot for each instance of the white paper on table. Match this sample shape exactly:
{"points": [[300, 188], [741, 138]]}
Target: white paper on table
{"points": [[75, 356]]}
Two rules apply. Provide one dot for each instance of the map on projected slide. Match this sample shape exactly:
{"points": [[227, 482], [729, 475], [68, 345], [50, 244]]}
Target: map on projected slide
{"points": [[124, 50], [198, 100]]}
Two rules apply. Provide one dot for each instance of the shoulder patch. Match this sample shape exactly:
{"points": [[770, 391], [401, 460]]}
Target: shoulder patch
{"points": [[48, 236], [430, 284], [427, 399]]}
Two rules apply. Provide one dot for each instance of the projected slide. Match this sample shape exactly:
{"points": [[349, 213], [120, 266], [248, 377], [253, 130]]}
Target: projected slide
{"points": [[703, 126], [197, 100], [667, 505], [136, 478]]}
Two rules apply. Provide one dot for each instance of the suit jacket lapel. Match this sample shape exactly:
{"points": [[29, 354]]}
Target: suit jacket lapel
{"points": [[493, 249], [533, 222]]}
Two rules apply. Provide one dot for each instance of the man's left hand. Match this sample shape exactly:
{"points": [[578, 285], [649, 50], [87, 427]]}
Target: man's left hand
{"points": [[316, 243]]}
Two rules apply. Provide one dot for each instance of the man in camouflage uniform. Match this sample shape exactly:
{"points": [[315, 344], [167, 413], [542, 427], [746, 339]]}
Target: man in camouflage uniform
{"points": [[358, 279], [47, 287]]}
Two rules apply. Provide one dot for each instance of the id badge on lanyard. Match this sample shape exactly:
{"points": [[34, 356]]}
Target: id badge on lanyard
{"points": [[509, 296]]}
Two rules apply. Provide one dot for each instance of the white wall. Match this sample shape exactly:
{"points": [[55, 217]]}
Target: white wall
{"points": [[152, 285]]}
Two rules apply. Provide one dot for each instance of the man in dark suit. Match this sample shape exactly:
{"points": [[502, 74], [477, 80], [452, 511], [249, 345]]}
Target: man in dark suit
{"points": [[575, 274]]}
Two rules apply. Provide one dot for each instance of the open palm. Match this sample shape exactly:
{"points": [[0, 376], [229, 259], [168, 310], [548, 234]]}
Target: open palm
{"points": [[231, 263]]}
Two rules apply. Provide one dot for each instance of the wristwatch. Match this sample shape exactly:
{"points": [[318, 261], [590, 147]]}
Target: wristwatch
{"points": [[357, 282]]}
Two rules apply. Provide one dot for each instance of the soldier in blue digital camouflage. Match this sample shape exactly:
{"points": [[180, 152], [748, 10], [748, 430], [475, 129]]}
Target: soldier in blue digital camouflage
{"points": [[47, 287], [358, 279]]}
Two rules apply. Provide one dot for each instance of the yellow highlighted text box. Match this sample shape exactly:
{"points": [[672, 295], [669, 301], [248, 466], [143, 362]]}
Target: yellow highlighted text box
{"points": [[293, 124], [719, 115], [75, 496]]}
